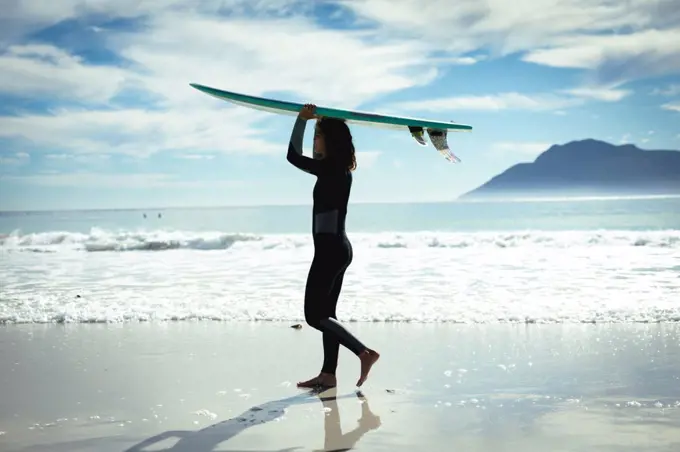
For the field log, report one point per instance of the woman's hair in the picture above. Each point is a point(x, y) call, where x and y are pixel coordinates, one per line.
point(338, 141)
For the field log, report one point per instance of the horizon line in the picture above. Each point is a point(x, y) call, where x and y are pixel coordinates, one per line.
point(565, 198)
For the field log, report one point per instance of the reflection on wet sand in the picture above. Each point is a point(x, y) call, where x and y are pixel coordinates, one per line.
point(207, 439)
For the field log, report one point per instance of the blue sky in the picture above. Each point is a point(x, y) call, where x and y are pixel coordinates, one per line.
point(96, 109)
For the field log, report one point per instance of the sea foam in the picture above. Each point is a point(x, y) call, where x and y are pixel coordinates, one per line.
point(160, 240)
point(483, 277)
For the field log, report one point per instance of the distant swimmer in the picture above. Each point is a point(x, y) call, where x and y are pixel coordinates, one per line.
point(332, 163)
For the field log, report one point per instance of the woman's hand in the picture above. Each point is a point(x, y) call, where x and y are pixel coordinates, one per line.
point(307, 112)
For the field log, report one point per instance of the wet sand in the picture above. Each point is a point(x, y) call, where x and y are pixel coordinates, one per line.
point(213, 386)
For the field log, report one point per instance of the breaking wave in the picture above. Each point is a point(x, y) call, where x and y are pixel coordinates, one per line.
point(100, 240)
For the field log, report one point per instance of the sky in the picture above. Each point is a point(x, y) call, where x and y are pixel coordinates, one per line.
point(96, 110)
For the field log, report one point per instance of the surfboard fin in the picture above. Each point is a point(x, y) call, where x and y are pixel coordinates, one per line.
point(418, 134)
point(440, 143)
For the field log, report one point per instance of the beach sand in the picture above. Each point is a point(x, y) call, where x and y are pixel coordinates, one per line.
point(219, 386)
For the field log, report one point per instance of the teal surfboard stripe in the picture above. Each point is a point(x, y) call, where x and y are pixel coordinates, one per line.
point(294, 107)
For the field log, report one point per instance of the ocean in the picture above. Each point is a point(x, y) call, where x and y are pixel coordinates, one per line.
point(523, 261)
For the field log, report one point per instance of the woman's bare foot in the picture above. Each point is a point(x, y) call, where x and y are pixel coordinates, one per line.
point(367, 358)
point(324, 380)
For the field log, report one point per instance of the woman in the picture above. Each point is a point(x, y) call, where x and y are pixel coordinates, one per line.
point(332, 165)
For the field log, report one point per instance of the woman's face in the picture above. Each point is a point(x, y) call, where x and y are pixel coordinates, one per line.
point(319, 149)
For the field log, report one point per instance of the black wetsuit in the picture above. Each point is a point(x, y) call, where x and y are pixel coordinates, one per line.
point(332, 249)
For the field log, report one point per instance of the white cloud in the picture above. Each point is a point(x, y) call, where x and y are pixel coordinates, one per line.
point(618, 41)
point(196, 157)
point(22, 17)
point(84, 159)
point(599, 93)
point(458, 61)
point(531, 149)
point(177, 48)
point(595, 34)
point(59, 156)
point(615, 58)
point(15, 159)
point(114, 180)
point(518, 101)
point(39, 70)
point(670, 90)
point(294, 55)
point(507, 26)
point(496, 102)
point(77, 157)
point(673, 106)
point(140, 132)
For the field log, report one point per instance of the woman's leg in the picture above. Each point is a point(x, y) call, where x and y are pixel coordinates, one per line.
point(332, 341)
point(324, 283)
point(321, 296)
point(331, 345)
point(316, 291)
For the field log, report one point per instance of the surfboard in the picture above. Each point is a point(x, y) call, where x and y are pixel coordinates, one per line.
point(437, 131)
